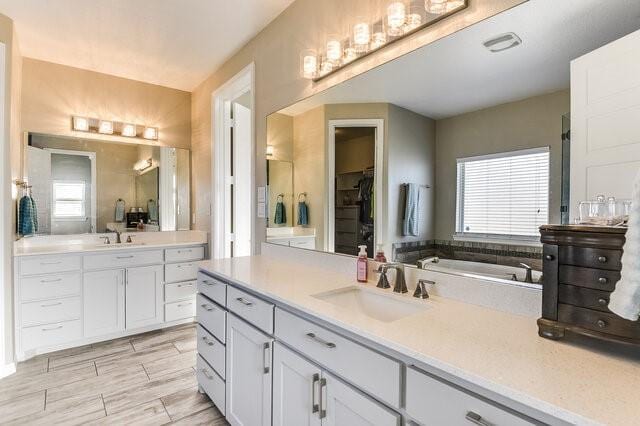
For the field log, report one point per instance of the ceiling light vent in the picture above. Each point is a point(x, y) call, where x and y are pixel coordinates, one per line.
point(502, 42)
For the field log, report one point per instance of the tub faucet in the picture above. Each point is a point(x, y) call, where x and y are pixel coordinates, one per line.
point(400, 286)
point(528, 278)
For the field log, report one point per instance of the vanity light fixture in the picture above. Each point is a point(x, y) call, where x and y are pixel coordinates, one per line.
point(143, 165)
point(129, 130)
point(105, 127)
point(399, 19)
point(150, 133)
point(269, 151)
point(115, 128)
point(80, 124)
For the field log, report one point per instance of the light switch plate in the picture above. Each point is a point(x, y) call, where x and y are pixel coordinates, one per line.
point(262, 194)
point(261, 210)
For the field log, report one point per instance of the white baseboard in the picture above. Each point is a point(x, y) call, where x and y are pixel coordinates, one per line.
point(7, 370)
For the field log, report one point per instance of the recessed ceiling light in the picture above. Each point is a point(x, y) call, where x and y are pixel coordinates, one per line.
point(105, 127)
point(502, 42)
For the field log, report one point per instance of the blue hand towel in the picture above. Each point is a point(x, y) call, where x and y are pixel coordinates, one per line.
point(303, 213)
point(281, 214)
point(411, 213)
point(26, 221)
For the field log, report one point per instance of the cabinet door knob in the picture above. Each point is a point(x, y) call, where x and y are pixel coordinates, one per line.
point(601, 323)
point(603, 280)
point(602, 301)
point(602, 259)
point(549, 257)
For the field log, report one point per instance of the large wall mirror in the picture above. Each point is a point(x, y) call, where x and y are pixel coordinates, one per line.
point(449, 157)
point(92, 186)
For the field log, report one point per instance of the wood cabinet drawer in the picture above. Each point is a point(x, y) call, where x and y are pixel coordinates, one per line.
point(346, 225)
point(347, 213)
point(179, 291)
point(184, 254)
point(258, 312)
point(212, 350)
point(434, 402)
point(598, 321)
point(368, 369)
point(349, 239)
point(212, 317)
point(584, 297)
point(597, 279)
point(180, 310)
point(37, 265)
point(590, 257)
point(50, 286)
point(213, 288)
point(51, 334)
point(123, 260)
point(50, 311)
point(180, 272)
point(211, 383)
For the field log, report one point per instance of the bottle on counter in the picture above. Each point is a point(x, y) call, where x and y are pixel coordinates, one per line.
point(380, 257)
point(362, 266)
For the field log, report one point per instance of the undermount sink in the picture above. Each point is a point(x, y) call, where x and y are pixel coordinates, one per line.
point(372, 303)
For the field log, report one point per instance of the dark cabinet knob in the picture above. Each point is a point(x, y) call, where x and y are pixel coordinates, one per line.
point(603, 280)
point(603, 302)
point(602, 259)
point(549, 257)
point(601, 323)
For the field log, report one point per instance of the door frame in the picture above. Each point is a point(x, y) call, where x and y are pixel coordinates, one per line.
point(330, 212)
point(92, 158)
point(221, 100)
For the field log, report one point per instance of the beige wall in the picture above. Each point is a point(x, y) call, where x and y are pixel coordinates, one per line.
point(275, 52)
point(529, 123)
point(280, 136)
point(52, 93)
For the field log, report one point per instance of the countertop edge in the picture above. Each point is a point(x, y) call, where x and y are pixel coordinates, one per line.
point(108, 248)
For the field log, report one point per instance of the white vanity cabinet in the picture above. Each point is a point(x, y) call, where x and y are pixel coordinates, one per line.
point(103, 302)
point(145, 304)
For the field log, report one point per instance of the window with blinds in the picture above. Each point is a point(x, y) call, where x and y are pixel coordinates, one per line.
point(68, 200)
point(503, 196)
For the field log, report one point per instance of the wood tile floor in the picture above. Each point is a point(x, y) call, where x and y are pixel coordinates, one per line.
point(147, 379)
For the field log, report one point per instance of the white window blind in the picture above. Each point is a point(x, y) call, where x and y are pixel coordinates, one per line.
point(69, 200)
point(503, 195)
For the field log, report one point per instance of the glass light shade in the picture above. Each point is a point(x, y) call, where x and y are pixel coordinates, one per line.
point(435, 7)
point(105, 127)
point(150, 133)
point(334, 49)
point(129, 130)
point(453, 4)
point(326, 66)
point(309, 64)
point(415, 17)
point(396, 15)
point(81, 124)
point(350, 54)
point(269, 150)
point(378, 35)
point(361, 36)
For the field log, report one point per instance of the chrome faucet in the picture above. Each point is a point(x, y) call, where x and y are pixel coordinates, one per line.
point(400, 286)
point(528, 278)
point(421, 290)
point(118, 234)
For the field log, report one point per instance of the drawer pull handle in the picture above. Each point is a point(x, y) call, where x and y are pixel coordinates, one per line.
point(601, 323)
point(206, 373)
point(266, 359)
point(207, 341)
point(549, 257)
point(50, 305)
point(323, 406)
point(316, 380)
point(124, 257)
point(57, 280)
point(477, 419)
point(51, 263)
point(323, 342)
point(185, 285)
point(184, 251)
point(244, 301)
point(209, 283)
point(52, 328)
point(207, 307)
point(602, 259)
point(182, 305)
point(603, 302)
point(603, 280)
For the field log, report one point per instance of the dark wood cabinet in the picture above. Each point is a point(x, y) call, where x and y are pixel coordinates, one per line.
point(581, 266)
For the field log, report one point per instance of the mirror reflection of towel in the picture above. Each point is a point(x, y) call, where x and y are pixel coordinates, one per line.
point(303, 213)
point(412, 203)
point(152, 209)
point(120, 210)
point(281, 214)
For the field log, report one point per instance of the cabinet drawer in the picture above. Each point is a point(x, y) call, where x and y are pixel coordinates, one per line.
point(212, 317)
point(180, 272)
point(51, 334)
point(37, 265)
point(180, 310)
point(50, 311)
point(597, 279)
point(347, 213)
point(370, 370)
point(123, 260)
point(584, 297)
point(185, 254)
point(258, 312)
point(179, 291)
point(349, 239)
point(211, 350)
point(590, 257)
point(50, 286)
point(598, 321)
point(214, 289)
point(346, 225)
point(211, 383)
point(434, 402)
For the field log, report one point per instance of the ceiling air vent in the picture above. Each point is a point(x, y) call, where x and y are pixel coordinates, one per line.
point(502, 42)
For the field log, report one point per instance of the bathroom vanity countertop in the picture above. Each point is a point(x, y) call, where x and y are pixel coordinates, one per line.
point(61, 244)
point(497, 351)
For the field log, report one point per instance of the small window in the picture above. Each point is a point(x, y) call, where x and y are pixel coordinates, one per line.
point(503, 196)
point(69, 200)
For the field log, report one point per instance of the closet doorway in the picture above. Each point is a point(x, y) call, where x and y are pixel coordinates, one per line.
point(355, 163)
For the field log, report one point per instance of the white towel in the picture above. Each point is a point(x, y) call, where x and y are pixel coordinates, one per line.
point(411, 217)
point(625, 300)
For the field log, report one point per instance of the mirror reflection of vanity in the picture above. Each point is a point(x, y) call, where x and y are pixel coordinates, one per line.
point(449, 158)
point(92, 186)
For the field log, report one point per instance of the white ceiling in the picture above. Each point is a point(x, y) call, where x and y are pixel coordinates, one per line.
point(173, 43)
point(457, 74)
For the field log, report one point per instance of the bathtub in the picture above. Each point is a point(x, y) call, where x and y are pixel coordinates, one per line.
point(479, 270)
